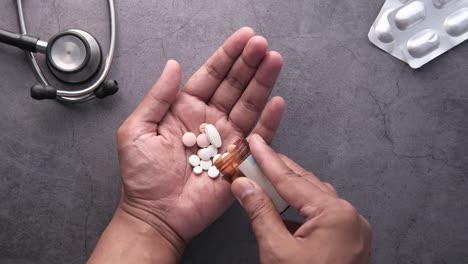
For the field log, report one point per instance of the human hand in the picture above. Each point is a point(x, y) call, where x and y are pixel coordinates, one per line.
point(333, 232)
point(229, 90)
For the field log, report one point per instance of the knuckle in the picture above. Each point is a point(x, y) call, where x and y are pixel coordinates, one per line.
point(250, 105)
point(289, 173)
point(235, 82)
point(348, 213)
point(213, 71)
point(331, 187)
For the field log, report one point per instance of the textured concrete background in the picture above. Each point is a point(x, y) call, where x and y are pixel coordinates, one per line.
point(391, 139)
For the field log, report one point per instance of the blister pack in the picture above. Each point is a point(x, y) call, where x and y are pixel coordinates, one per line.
point(418, 31)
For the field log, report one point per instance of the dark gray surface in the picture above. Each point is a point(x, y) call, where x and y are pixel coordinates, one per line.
point(391, 139)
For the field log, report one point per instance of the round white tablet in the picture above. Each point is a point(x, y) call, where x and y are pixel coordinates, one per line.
point(213, 172)
point(206, 164)
point(213, 150)
point(202, 141)
point(217, 156)
point(197, 170)
point(189, 139)
point(204, 154)
point(213, 135)
point(194, 160)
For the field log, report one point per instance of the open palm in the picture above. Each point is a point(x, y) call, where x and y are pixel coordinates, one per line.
point(229, 91)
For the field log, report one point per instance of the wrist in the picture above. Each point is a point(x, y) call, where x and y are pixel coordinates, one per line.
point(128, 239)
point(155, 227)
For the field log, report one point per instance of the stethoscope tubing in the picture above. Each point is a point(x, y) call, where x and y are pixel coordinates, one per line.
point(85, 94)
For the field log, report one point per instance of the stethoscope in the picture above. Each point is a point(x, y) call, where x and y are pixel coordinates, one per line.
point(73, 56)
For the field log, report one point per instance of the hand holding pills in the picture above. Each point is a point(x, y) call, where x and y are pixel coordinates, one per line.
point(165, 200)
point(333, 232)
point(172, 139)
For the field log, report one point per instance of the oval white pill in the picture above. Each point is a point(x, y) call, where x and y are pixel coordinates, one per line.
point(213, 135)
point(202, 141)
point(194, 160)
point(189, 139)
point(213, 150)
point(217, 156)
point(213, 172)
point(197, 170)
point(206, 164)
point(204, 154)
point(224, 155)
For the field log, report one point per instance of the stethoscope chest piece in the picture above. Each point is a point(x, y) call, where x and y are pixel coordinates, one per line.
point(73, 56)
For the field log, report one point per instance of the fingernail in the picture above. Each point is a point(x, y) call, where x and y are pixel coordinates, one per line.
point(242, 187)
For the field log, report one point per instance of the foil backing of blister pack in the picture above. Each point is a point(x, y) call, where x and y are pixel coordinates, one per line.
point(418, 31)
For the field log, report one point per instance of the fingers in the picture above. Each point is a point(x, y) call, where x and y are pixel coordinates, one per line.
point(266, 222)
point(247, 109)
point(158, 100)
point(270, 119)
point(293, 188)
point(326, 187)
point(240, 75)
point(205, 81)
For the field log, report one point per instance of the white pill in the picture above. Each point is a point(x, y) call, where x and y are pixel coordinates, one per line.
point(231, 147)
point(213, 172)
point(224, 155)
point(202, 141)
point(206, 164)
point(197, 170)
point(204, 154)
point(194, 160)
point(213, 135)
point(213, 150)
point(217, 156)
point(202, 127)
point(189, 139)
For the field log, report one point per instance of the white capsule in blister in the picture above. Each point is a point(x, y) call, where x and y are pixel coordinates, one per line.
point(383, 31)
point(442, 3)
point(417, 31)
point(457, 23)
point(410, 15)
point(423, 43)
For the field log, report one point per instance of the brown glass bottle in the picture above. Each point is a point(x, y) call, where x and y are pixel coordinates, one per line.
point(240, 163)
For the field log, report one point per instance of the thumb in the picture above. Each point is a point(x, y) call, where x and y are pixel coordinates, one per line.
point(158, 100)
point(266, 222)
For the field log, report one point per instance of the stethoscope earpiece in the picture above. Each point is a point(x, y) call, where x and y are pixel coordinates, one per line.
point(109, 87)
point(41, 92)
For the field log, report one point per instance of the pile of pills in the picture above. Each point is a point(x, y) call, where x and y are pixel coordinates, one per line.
point(209, 142)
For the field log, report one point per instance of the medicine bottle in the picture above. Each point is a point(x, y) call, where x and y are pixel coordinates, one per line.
point(240, 163)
